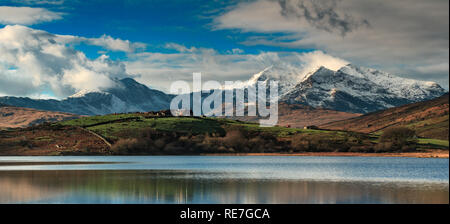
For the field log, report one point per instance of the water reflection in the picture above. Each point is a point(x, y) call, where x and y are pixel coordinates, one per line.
point(140, 186)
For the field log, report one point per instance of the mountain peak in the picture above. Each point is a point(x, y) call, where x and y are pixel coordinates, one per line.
point(259, 76)
point(322, 69)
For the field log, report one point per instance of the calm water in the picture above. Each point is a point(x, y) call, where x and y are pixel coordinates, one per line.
point(224, 179)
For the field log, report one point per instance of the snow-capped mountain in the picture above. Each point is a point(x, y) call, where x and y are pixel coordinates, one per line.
point(127, 96)
point(349, 89)
point(358, 89)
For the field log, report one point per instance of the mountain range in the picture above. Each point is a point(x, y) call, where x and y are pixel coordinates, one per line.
point(126, 96)
point(350, 89)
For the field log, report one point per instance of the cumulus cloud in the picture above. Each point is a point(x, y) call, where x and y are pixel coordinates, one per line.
point(26, 15)
point(402, 37)
point(34, 61)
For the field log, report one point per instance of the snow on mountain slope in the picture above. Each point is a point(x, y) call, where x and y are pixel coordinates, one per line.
point(359, 90)
point(286, 75)
point(401, 87)
point(348, 88)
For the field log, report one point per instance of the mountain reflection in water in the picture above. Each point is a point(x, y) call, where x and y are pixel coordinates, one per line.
point(146, 186)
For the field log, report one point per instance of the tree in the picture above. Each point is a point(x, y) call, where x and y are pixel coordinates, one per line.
point(399, 137)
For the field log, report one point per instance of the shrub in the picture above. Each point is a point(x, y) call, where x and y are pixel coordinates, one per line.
point(173, 147)
point(124, 145)
point(234, 139)
point(159, 143)
point(257, 144)
point(300, 143)
point(397, 138)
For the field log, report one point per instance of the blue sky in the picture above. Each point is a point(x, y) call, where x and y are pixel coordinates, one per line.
point(157, 22)
point(160, 41)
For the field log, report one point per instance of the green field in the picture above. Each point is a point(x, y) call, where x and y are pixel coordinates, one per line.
point(114, 127)
point(93, 120)
point(433, 142)
point(110, 126)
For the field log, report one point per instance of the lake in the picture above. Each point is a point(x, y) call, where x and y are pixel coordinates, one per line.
point(223, 179)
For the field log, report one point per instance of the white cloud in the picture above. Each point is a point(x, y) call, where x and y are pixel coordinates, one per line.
point(115, 44)
point(161, 69)
point(39, 2)
point(313, 60)
point(401, 37)
point(105, 41)
point(26, 15)
point(179, 47)
point(237, 51)
point(34, 61)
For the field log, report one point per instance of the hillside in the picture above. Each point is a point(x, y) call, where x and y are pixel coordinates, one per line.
point(299, 116)
point(159, 134)
point(15, 117)
point(428, 118)
point(144, 133)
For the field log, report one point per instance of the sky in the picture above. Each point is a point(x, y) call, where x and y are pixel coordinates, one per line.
point(55, 48)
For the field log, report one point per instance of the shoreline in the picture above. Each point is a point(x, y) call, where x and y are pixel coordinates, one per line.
point(35, 163)
point(429, 154)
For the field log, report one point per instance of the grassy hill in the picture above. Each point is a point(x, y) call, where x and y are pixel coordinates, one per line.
point(140, 133)
point(148, 134)
point(114, 126)
point(428, 118)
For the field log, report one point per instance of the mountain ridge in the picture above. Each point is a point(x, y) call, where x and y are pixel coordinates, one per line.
point(127, 96)
point(356, 90)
